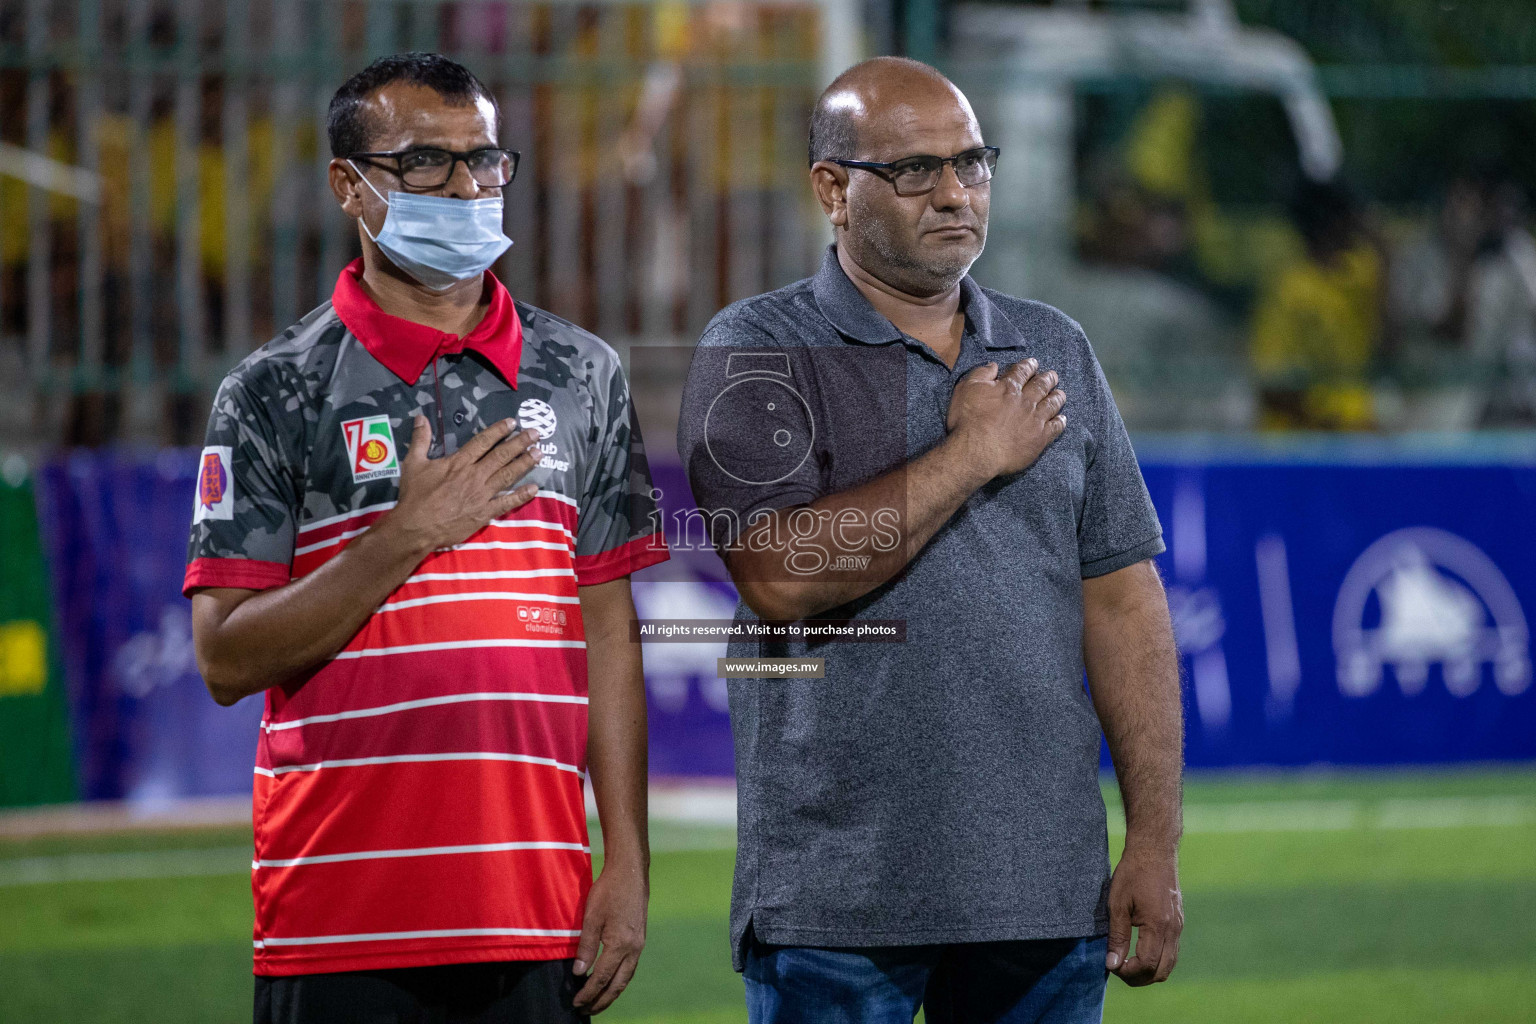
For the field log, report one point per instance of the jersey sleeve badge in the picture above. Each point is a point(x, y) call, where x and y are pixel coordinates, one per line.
point(215, 485)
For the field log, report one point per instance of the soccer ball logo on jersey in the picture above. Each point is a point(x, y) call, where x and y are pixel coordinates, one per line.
point(537, 414)
point(371, 448)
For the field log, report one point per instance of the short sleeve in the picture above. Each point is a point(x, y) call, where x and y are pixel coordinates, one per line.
point(619, 530)
point(1119, 526)
point(747, 434)
point(244, 500)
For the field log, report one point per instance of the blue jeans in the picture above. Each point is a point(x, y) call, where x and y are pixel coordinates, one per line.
point(1043, 981)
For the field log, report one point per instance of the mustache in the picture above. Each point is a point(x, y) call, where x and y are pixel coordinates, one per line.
point(971, 222)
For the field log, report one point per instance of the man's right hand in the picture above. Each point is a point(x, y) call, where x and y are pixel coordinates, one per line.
point(248, 640)
point(1003, 421)
point(445, 501)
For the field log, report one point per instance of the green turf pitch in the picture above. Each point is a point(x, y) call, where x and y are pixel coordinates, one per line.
point(1397, 898)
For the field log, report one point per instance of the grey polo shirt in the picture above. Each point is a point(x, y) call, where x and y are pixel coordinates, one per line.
point(943, 789)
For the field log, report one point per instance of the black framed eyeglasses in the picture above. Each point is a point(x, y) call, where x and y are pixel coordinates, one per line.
point(917, 175)
point(431, 168)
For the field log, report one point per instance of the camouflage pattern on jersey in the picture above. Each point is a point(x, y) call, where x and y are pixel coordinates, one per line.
point(284, 415)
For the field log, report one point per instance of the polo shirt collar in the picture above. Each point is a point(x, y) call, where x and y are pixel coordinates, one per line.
point(406, 347)
point(989, 322)
point(845, 306)
point(841, 302)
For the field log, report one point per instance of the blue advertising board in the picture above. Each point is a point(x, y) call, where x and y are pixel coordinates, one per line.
point(1351, 614)
point(1344, 611)
point(1329, 609)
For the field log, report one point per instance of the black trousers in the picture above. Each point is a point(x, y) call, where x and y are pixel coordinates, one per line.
point(512, 992)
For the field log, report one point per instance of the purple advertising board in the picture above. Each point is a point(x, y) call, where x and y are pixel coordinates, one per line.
point(115, 534)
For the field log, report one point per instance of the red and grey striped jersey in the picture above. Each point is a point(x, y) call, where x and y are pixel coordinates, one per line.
point(418, 798)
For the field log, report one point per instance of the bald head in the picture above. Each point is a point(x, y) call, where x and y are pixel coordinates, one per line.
point(881, 112)
point(868, 95)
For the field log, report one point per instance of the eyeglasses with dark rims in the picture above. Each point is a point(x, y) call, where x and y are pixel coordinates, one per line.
point(431, 168)
point(918, 175)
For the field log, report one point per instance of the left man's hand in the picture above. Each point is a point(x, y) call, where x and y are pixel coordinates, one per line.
point(615, 917)
point(1144, 893)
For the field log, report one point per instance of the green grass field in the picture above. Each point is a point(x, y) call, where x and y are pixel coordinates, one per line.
point(1396, 898)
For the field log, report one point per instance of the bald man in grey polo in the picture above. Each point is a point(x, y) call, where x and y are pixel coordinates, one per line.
point(944, 789)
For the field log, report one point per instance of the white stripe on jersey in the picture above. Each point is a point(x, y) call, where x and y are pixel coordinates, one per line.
point(500, 574)
point(483, 546)
point(343, 517)
point(437, 933)
point(489, 595)
point(420, 851)
point(424, 702)
point(361, 762)
point(507, 545)
point(384, 506)
point(540, 524)
point(559, 497)
point(453, 645)
point(317, 545)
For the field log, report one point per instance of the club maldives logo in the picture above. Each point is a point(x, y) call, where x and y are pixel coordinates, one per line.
point(371, 448)
point(536, 414)
point(215, 494)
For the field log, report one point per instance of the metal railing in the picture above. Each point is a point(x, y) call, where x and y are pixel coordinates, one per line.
point(164, 208)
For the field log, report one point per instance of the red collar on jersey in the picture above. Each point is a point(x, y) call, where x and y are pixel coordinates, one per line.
point(406, 347)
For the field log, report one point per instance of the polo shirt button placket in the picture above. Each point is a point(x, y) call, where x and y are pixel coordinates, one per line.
point(440, 442)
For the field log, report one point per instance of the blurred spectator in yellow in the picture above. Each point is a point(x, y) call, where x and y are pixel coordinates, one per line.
point(1226, 250)
point(61, 213)
point(1317, 325)
point(252, 206)
point(13, 206)
point(210, 177)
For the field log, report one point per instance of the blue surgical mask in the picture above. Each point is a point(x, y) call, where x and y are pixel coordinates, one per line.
point(437, 240)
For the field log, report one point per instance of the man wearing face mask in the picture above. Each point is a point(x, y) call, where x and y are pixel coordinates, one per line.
point(921, 824)
point(416, 516)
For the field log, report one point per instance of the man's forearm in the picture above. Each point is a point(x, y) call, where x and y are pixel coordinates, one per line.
point(918, 498)
point(249, 642)
point(1133, 676)
point(616, 736)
